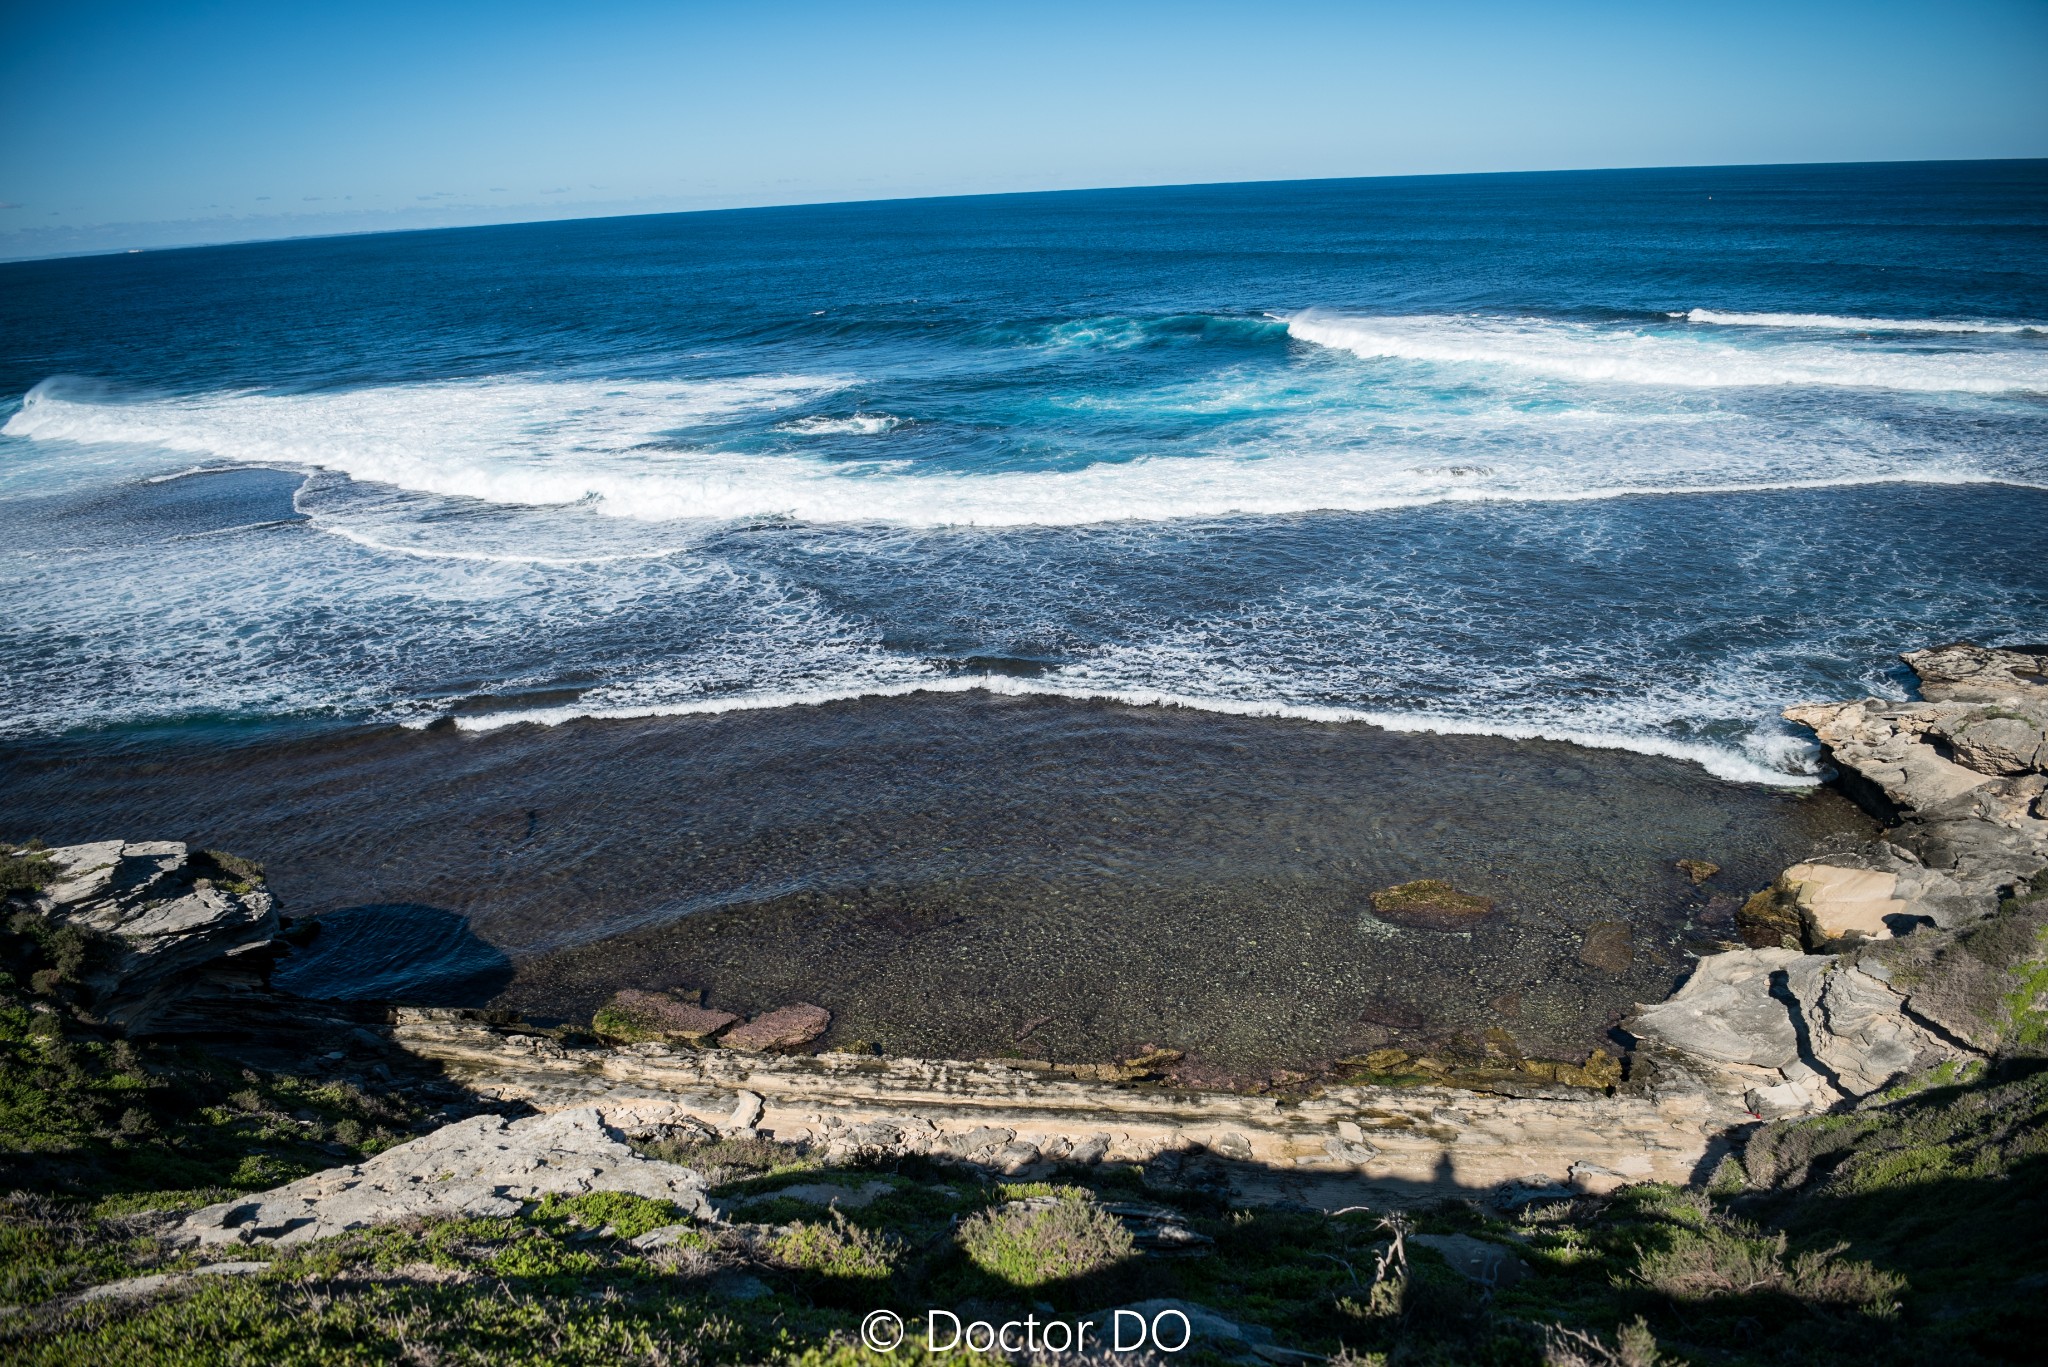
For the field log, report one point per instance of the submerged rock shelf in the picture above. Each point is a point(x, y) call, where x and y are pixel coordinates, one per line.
point(1887, 962)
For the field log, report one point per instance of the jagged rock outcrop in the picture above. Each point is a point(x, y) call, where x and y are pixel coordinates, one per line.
point(1790, 1032)
point(1921, 954)
point(168, 924)
point(1963, 774)
point(484, 1166)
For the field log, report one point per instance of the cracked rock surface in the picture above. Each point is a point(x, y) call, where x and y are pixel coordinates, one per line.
point(175, 922)
point(483, 1166)
point(1962, 773)
point(1918, 944)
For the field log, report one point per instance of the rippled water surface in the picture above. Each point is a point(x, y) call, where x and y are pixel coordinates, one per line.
point(945, 871)
point(1635, 456)
point(1629, 459)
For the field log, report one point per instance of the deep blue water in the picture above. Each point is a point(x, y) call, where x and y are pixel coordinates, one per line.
point(1636, 457)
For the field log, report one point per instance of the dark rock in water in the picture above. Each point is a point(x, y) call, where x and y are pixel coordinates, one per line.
point(632, 1014)
point(1608, 946)
point(1699, 870)
point(1430, 904)
point(1770, 920)
point(790, 1027)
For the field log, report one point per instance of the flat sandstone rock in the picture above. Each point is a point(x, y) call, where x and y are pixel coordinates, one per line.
point(484, 1166)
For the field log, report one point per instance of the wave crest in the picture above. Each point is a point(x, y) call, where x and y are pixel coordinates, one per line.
point(1582, 353)
point(1829, 322)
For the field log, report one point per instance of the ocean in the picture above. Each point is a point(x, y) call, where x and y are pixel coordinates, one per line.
point(1626, 460)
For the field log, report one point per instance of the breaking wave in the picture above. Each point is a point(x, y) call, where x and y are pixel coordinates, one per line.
point(858, 425)
point(1828, 322)
point(632, 452)
point(1720, 761)
point(1585, 353)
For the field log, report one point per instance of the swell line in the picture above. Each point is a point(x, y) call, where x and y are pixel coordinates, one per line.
point(1719, 762)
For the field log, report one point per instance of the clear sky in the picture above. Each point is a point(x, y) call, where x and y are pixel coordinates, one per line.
point(129, 125)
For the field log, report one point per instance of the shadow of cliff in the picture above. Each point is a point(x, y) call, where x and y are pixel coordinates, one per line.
point(1950, 1269)
point(395, 952)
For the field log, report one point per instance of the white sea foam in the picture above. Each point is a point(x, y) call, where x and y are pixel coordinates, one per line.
point(611, 450)
point(506, 441)
point(1720, 762)
point(1829, 322)
point(1583, 353)
point(858, 425)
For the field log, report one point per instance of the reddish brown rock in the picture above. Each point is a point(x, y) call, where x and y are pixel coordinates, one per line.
point(632, 1014)
point(789, 1027)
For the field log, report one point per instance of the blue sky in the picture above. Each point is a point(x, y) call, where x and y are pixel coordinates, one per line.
point(140, 125)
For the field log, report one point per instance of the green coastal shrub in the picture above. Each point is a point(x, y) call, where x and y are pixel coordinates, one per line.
point(231, 871)
point(838, 1249)
point(1045, 1239)
point(25, 868)
point(727, 1160)
point(1727, 1258)
point(621, 1214)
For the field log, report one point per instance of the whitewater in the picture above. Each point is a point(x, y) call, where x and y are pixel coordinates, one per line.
point(1333, 463)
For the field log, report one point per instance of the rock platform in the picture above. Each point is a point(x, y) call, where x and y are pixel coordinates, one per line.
point(1859, 968)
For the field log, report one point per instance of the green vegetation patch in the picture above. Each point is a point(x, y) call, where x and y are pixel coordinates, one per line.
point(25, 868)
point(1045, 1239)
point(231, 871)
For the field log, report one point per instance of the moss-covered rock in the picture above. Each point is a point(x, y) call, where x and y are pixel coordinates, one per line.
point(633, 1015)
point(1430, 904)
point(1771, 920)
point(1986, 985)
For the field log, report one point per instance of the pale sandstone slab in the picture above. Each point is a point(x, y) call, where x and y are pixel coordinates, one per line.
point(1343, 1146)
point(483, 1166)
point(1837, 901)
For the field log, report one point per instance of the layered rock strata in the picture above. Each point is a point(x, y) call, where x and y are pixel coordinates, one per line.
point(171, 927)
point(1869, 964)
point(1343, 1145)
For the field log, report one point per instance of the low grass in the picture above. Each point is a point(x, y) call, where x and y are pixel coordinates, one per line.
point(1903, 1231)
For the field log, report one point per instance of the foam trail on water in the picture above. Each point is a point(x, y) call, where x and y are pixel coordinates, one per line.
point(1141, 491)
point(1828, 322)
point(1717, 761)
point(1583, 353)
point(858, 425)
point(611, 449)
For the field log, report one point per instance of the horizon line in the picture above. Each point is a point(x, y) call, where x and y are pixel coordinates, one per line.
point(93, 253)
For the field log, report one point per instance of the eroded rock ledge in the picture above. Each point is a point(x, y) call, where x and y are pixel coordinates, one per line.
point(1926, 946)
point(1913, 950)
